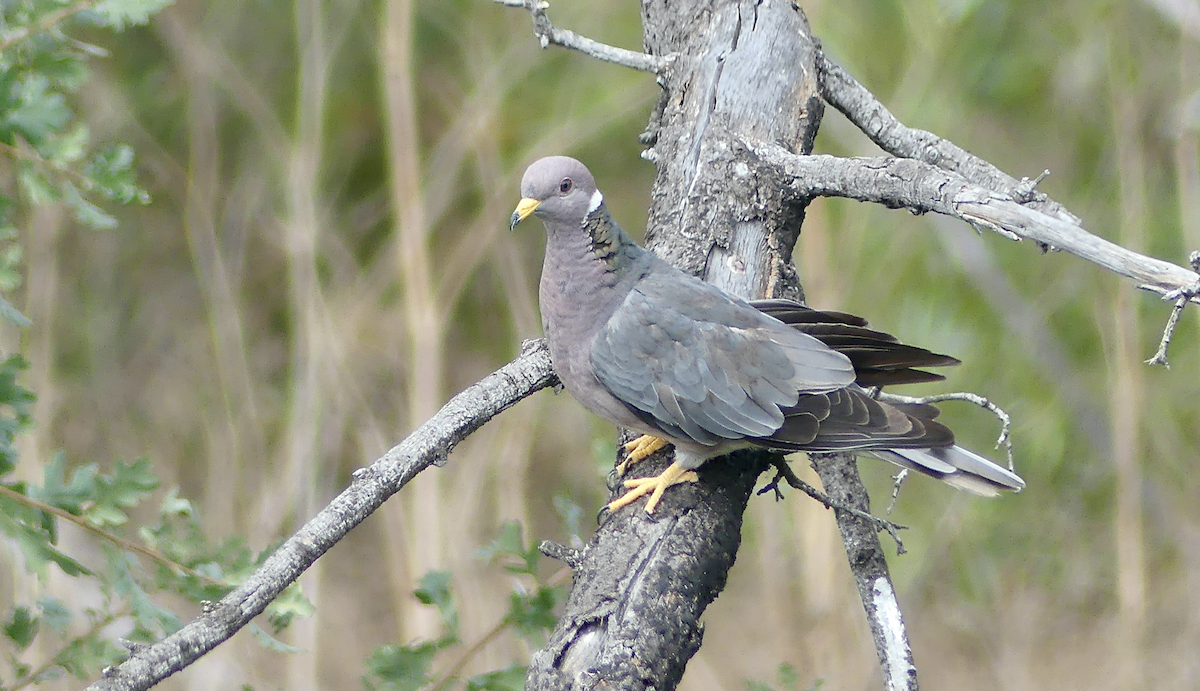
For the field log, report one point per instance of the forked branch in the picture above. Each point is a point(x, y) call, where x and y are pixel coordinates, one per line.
point(921, 187)
point(842, 91)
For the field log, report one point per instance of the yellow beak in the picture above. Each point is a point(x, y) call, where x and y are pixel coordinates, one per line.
point(525, 207)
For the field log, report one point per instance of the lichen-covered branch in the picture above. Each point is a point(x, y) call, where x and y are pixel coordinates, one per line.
point(429, 444)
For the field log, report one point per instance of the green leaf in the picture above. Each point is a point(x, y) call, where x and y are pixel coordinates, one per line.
point(532, 615)
point(84, 657)
point(25, 526)
point(14, 415)
point(13, 316)
point(509, 541)
point(400, 667)
point(434, 590)
point(37, 187)
point(86, 212)
point(788, 679)
point(22, 627)
point(129, 485)
point(112, 174)
point(69, 497)
point(270, 642)
point(511, 678)
point(151, 620)
point(119, 14)
point(175, 505)
point(55, 613)
point(510, 551)
point(68, 147)
point(290, 604)
point(34, 112)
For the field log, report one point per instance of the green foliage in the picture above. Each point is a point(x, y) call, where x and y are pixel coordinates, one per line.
point(434, 590)
point(530, 617)
point(15, 405)
point(511, 678)
point(531, 609)
point(400, 667)
point(118, 14)
point(41, 67)
point(185, 563)
point(22, 627)
point(787, 678)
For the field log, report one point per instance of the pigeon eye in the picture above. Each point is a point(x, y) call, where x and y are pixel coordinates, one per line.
point(565, 186)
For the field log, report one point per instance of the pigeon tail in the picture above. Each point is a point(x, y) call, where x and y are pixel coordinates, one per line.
point(958, 467)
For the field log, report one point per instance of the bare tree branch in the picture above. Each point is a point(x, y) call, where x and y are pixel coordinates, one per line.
point(842, 91)
point(632, 619)
point(910, 184)
point(1181, 297)
point(784, 472)
point(1005, 438)
point(547, 34)
point(839, 475)
point(428, 445)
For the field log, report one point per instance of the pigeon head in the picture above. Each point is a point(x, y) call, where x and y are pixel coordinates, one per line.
point(558, 190)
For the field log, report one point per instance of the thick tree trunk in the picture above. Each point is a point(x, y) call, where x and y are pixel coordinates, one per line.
point(747, 69)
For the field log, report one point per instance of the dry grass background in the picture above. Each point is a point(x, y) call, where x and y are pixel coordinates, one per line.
point(327, 260)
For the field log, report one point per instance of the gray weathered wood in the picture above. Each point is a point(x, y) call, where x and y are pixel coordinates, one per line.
point(747, 70)
point(860, 538)
point(921, 187)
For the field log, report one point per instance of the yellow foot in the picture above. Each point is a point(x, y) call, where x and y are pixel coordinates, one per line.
point(654, 486)
point(639, 450)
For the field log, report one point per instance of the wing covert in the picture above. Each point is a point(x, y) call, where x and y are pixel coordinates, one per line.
point(697, 364)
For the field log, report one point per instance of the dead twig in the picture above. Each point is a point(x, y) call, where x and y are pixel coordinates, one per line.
point(784, 472)
point(547, 34)
point(1005, 438)
point(1181, 296)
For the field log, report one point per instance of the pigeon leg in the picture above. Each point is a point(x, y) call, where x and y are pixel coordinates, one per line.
point(639, 450)
point(654, 486)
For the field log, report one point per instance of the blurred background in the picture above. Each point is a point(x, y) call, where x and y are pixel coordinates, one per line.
point(327, 260)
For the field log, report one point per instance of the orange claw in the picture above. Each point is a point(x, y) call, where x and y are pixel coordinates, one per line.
point(639, 450)
point(654, 486)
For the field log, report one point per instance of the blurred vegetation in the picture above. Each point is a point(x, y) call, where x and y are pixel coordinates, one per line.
point(326, 260)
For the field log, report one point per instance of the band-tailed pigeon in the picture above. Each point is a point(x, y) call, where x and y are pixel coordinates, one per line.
point(653, 349)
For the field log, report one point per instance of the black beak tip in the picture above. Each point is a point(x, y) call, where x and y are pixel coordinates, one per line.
point(513, 221)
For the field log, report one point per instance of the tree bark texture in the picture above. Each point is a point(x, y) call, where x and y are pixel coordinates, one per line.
point(632, 620)
point(860, 538)
point(745, 69)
